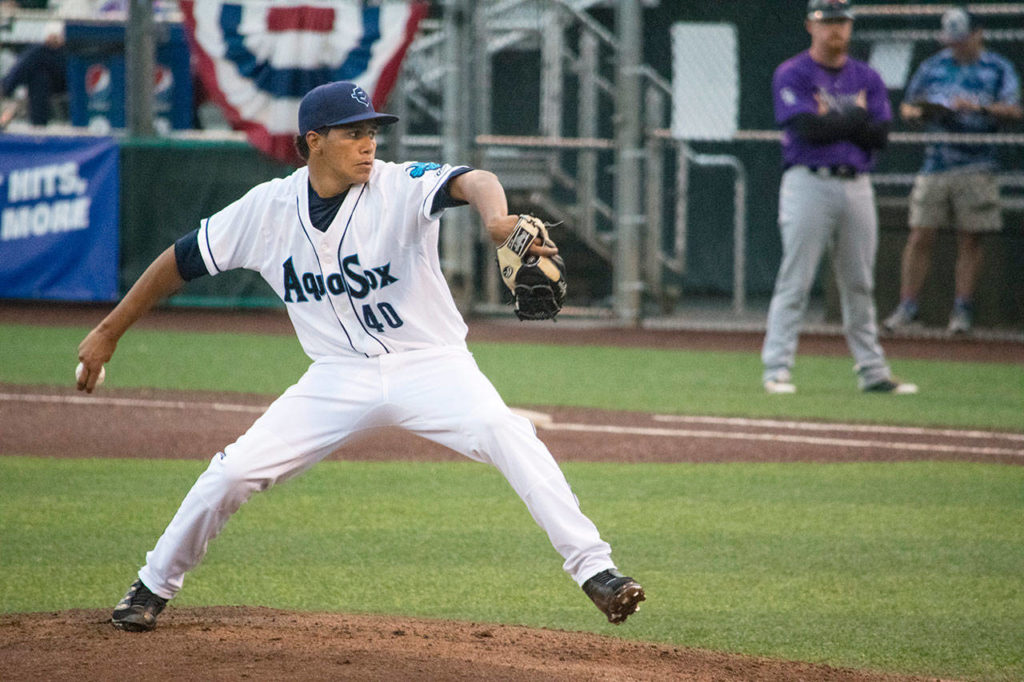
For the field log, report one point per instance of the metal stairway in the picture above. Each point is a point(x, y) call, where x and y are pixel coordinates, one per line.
point(566, 171)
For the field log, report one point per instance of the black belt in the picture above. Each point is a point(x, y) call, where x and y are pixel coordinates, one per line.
point(845, 171)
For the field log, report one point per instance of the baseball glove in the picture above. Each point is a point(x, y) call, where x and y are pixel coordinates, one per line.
point(537, 283)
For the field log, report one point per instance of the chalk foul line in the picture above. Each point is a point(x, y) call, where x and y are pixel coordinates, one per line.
point(784, 438)
point(832, 427)
point(101, 401)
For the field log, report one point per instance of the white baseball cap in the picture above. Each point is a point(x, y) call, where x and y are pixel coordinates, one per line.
point(957, 25)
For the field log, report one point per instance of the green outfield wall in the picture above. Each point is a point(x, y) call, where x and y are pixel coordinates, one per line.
point(167, 188)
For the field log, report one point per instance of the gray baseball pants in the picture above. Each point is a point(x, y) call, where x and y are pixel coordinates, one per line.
point(817, 213)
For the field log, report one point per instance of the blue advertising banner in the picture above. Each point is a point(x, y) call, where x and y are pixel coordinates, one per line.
point(59, 201)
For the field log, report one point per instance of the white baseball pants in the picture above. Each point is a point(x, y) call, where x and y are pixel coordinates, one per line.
point(438, 393)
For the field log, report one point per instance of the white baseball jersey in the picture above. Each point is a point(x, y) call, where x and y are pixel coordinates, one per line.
point(371, 284)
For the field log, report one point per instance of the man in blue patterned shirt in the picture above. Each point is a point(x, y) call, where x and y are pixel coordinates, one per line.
point(964, 88)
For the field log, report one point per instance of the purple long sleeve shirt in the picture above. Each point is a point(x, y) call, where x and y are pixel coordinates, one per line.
point(794, 86)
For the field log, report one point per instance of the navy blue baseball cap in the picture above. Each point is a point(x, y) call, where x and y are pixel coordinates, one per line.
point(335, 104)
point(823, 10)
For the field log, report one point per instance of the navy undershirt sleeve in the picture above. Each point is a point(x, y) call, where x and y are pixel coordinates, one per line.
point(442, 199)
point(190, 261)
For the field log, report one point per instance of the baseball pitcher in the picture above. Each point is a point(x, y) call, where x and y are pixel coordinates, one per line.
point(349, 244)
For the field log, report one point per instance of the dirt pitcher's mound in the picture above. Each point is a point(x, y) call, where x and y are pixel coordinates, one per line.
point(232, 643)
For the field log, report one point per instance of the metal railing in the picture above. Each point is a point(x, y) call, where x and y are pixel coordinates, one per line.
point(566, 157)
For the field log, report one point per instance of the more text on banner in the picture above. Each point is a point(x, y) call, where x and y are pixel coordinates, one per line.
point(59, 200)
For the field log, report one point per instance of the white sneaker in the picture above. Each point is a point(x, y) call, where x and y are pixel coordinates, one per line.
point(960, 321)
point(780, 382)
point(900, 318)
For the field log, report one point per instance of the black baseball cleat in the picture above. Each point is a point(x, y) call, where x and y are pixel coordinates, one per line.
point(618, 596)
point(138, 610)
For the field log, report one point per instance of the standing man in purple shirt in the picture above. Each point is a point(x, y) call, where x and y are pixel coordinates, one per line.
point(834, 112)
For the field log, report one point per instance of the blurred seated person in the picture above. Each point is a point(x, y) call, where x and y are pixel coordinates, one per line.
point(42, 68)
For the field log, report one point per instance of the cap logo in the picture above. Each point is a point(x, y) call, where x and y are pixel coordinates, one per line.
point(359, 95)
point(819, 10)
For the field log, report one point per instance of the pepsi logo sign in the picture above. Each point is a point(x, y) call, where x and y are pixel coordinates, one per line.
point(163, 79)
point(97, 79)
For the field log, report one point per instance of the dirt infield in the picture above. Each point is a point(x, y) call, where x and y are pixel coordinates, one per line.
point(236, 643)
point(225, 643)
point(81, 426)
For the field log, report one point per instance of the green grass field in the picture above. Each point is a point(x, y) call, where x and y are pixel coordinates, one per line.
point(909, 567)
point(959, 394)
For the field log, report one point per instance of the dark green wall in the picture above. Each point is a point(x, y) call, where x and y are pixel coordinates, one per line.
point(167, 187)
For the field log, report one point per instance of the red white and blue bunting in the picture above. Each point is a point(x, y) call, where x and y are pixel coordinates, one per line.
point(256, 59)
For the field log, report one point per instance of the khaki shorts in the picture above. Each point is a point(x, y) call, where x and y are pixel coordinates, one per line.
point(964, 201)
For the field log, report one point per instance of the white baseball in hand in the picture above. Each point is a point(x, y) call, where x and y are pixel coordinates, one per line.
point(80, 370)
